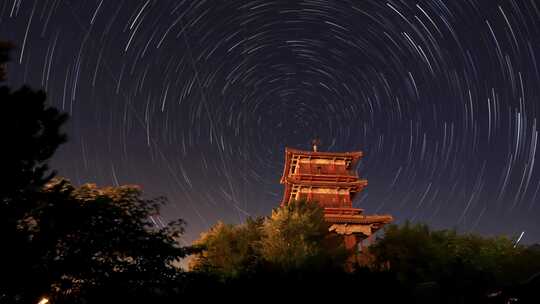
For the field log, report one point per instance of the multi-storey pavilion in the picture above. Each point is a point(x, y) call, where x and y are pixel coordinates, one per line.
point(330, 179)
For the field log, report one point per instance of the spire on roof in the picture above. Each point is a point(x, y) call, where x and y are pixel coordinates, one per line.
point(316, 142)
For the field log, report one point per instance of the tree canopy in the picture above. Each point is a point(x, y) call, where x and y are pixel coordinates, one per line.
point(72, 244)
point(229, 250)
point(32, 132)
point(417, 263)
point(294, 237)
point(459, 263)
point(89, 241)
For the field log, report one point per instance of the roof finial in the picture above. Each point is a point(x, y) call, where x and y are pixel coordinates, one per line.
point(316, 142)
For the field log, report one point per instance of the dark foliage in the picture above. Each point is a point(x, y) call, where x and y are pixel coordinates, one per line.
point(292, 239)
point(446, 267)
point(93, 241)
point(30, 133)
point(5, 47)
point(90, 245)
point(302, 286)
point(72, 245)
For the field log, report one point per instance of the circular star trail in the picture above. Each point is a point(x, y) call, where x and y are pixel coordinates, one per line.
point(196, 100)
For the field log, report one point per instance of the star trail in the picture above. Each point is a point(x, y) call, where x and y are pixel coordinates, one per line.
point(196, 100)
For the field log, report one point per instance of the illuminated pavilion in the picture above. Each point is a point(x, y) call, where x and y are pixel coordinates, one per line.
point(330, 179)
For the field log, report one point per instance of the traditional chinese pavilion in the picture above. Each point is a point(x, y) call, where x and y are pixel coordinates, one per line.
point(331, 180)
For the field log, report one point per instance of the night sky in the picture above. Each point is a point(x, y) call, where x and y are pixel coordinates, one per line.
point(196, 100)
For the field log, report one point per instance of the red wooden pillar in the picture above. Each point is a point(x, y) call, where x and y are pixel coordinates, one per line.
point(351, 246)
point(350, 242)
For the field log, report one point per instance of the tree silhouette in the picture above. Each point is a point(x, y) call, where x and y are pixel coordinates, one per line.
point(5, 47)
point(30, 134)
point(73, 245)
point(93, 243)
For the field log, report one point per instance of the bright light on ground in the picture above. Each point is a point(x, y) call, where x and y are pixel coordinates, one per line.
point(43, 301)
